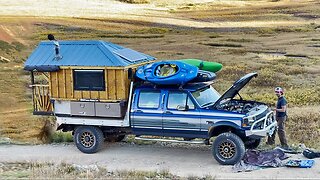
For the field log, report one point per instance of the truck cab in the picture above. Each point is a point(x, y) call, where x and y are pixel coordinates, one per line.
point(199, 111)
point(168, 111)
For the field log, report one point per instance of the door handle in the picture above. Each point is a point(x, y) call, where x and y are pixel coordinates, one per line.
point(168, 112)
point(138, 111)
point(209, 122)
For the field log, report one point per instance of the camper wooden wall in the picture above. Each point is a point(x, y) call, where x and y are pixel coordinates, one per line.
point(117, 86)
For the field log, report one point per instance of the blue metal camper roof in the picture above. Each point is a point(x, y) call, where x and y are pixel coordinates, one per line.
point(82, 53)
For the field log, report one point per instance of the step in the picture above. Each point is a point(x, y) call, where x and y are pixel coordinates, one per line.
point(171, 140)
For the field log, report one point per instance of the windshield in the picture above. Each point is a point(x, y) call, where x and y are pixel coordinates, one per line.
point(206, 96)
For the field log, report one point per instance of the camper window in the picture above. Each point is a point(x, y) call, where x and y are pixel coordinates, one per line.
point(89, 80)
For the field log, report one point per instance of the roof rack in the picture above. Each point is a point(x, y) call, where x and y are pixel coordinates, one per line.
point(196, 85)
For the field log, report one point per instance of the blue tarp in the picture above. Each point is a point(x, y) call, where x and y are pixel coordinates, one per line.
point(82, 53)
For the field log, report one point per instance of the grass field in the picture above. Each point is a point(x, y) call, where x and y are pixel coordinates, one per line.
point(279, 40)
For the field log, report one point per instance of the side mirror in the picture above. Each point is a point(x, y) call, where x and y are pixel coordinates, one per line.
point(182, 108)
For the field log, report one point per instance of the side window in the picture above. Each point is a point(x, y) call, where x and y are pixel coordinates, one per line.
point(179, 99)
point(149, 99)
point(89, 80)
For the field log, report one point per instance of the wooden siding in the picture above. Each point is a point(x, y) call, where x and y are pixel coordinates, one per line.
point(116, 86)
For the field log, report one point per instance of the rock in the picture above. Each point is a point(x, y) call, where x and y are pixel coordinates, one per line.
point(82, 168)
point(5, 140)
point(4, 60)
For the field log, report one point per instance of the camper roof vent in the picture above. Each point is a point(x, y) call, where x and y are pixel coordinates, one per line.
point(56, 48)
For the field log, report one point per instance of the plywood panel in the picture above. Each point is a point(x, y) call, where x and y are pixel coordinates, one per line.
point(102, 95)
point(61, 84)
point(86, 95)
point(69, 84)
point(54, 84)
point(111, 82)
point(120, 84)
point(105, 94)
point(94, 94)
point(50, 85)
point(65, 84)
point(77, 95)
point(126, 84)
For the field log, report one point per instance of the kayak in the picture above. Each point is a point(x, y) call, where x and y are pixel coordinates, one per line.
point(204, 65)
point(204, 76)
point(167, 72)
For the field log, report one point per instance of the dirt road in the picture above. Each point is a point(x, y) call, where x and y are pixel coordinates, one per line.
point(156, 12)
point(182, 160)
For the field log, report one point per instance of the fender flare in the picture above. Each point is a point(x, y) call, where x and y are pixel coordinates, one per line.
point(225, 124)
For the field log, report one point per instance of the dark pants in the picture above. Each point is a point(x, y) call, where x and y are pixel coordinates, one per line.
point(281, 132)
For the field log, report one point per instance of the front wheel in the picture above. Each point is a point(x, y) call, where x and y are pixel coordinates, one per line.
point(88, 139)
point(228, 149)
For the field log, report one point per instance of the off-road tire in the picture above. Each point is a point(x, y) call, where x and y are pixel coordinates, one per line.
point(228, 149)
point(88, 139)
point(252, 144)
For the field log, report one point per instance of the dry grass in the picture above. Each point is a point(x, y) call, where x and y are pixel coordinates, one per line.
point(135, 1)
point(72, 171)
point(303, 126)
point(16, 121)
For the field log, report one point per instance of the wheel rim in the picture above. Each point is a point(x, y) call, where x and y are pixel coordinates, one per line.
point(87, 139)
point(227, 150)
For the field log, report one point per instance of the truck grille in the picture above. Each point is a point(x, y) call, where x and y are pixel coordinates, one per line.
point(261, 124)
point(262, 115)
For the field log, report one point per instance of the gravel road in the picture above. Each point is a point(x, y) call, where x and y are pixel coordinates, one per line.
point(181, 160)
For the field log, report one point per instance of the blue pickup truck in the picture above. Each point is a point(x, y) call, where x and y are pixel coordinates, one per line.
point(189, 113)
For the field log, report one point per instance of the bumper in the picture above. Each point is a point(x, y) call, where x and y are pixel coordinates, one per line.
point(263, 127)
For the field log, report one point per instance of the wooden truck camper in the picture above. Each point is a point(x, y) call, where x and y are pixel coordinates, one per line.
point(82, 78)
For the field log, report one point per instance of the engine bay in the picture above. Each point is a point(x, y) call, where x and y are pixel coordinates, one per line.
point(241, 106)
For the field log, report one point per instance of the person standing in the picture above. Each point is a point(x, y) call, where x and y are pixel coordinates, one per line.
point(281, 116)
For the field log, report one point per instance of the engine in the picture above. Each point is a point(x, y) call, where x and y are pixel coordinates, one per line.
point(240, 106)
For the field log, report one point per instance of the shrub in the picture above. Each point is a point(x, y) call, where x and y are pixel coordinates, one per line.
point(5, 46)
point(262, 95)
point(294, 96)
point(234, 71)
point(47, 130)
point(153, 30)
point(60, 136)
point(215, 35)
point(303, 96)
point(269, 78)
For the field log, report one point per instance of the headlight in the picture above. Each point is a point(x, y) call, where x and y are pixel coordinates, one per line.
point(248, 121)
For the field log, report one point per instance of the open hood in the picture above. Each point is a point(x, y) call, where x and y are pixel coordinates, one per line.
point(236, 87)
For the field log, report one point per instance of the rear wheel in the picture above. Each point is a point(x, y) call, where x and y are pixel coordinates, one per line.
point(228, 149)
point(88, 139)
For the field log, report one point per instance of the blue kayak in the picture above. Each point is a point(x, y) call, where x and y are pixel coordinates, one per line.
point(204, 76)
point(167, 72)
